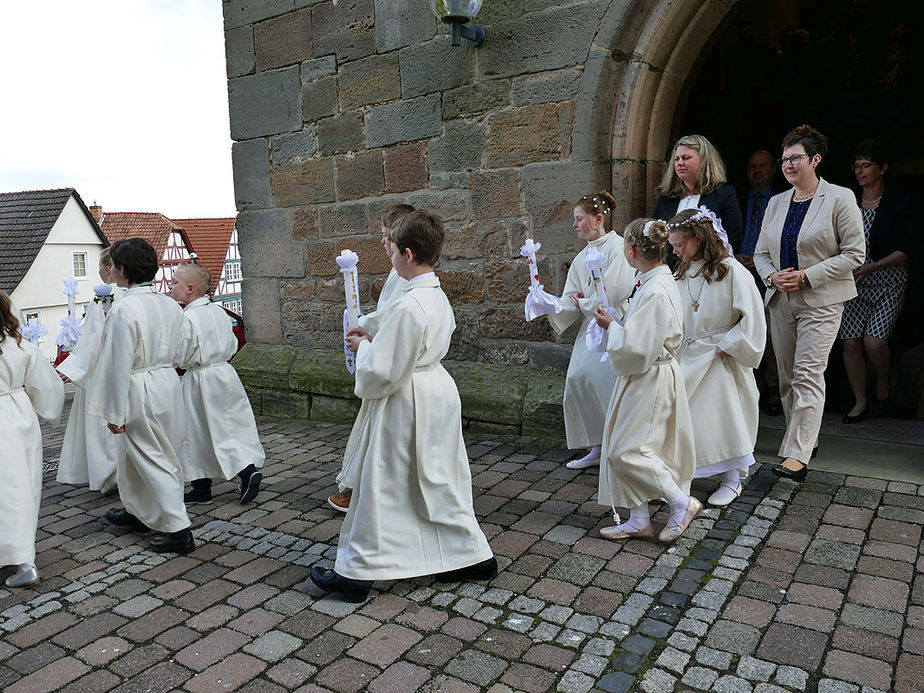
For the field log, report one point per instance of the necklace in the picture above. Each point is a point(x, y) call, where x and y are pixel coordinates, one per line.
point(696, 300)
point(803, 199)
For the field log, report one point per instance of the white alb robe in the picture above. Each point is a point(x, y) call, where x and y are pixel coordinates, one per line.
point(133, 383)
point(28, 386)
point(648, 438)
point(722, 392)
point(89, 453)
point(411, 512)
point(392, 290)
point(221, 433)
point(589, 382)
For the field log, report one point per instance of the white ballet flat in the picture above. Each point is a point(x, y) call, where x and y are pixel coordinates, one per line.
point(24, 578)
point(616, 534)
point(583, 464)
point(724, 495)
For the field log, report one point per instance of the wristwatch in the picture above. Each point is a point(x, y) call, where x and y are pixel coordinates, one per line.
point(769, 278)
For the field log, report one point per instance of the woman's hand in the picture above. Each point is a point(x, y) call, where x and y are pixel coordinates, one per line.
point(64, 378)
point(603, 318)
point(787, 280)
point(116, 429)
point(576, 298)
point(864, 270)
point(353, 339)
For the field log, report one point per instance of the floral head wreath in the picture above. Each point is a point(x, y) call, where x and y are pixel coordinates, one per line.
point(706, 213)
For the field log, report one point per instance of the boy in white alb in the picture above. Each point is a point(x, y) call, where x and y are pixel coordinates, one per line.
point(411, 513)
point(369, 324)
point(221, 433)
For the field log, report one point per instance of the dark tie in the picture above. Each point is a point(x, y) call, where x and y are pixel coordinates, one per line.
point(753, 229)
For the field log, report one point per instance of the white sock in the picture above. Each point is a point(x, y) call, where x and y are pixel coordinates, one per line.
point(639, 518)
point(678, 505)
point(731, 478)
point(594, 454)
point(23, 567)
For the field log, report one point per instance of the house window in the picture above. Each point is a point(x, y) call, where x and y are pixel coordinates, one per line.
point(235, 272)
point(34, 316)
point(80, 265)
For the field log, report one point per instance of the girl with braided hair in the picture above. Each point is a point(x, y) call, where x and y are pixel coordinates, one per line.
point(589, 382)
point(648, 437)
point(724, 335)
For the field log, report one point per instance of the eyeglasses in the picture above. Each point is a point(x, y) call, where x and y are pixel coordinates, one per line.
point(863, 166)
point(793, 160)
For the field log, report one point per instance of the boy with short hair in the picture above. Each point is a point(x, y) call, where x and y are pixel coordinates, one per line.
point(221, 433)
point(369, 324)
point(411, 513)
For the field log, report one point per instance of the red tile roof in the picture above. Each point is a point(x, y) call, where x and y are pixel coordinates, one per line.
point(210, 239)
point(153, 227)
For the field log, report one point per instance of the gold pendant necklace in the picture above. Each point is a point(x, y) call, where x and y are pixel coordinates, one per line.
point(696, 300)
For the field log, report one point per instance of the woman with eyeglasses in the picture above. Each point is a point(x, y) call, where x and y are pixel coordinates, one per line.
point(697, 178)
point(881, 280)
point(810, 242)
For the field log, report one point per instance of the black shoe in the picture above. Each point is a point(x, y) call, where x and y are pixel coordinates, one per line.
point(173, 542)
point(848, 419)
point(120, 517)
point(485, 570)
point(198, 496)
point(786, 473)
point(251, 487)
point(350, 590)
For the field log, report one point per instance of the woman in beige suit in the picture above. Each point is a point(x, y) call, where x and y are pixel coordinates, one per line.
point(810, 242)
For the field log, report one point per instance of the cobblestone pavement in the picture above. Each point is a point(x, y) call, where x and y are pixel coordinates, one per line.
point(794, 587)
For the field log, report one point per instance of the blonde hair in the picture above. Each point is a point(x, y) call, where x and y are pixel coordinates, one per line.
point(711, 172)
point(105, 257)
point(652, 246)
point(714, 252)
point(198, 275)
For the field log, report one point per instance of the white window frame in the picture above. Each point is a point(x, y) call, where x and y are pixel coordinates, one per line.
point(38, 318)
point(74, 257)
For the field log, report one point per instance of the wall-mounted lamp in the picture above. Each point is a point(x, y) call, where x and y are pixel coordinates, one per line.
point(457, 14)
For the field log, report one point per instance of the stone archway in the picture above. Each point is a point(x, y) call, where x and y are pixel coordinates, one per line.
point(638, 65)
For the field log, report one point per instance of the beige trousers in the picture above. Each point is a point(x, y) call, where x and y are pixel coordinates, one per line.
point(802, 338)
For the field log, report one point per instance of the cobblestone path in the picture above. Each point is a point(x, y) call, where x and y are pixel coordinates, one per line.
point(812, 587)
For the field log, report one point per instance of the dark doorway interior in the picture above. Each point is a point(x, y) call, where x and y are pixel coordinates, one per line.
point(853, 69)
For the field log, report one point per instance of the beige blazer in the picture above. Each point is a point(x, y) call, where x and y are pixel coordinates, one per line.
point(830, 245)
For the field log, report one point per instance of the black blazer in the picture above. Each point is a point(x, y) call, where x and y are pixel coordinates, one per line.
point(891, 228)
point(723, 201)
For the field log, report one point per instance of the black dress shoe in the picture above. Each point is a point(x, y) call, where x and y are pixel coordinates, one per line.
point(349, 589)
point(173, 542)
point(120, 517)
point(485, 570)
point(787, 473)
point(848, 419)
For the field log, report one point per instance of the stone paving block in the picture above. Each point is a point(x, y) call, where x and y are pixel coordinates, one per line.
point(476, 667)
point(886, 622)
point(855, 668)
point(699, 678)
point(273, 646)
point(657, 681)
point(212, 648)
point(909, 672)
point(799, 647)
point(104, 650)
point(877, 592)
point(35, 658)
point(732, 684)
point(791, 677)
point(807, 617)
point(229, 673)
point(48, 678)
point(755, 669)
point(523, 677)
point(734, 637)
point(576, 682)
point(384, 645)
point(291, 673)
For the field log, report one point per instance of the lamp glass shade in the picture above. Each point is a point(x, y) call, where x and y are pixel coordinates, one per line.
point(455, 8)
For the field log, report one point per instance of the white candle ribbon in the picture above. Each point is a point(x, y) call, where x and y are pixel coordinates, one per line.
point(538, 302)
point(70, 326)
point(347, 261)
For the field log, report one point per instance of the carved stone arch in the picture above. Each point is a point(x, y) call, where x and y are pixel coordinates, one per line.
point(641, 59)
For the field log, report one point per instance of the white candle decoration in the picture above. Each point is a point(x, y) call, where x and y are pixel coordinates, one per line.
point(538, 302)
point(70, 326)
point(347, 261)
point(33, 330)
point(596, 337)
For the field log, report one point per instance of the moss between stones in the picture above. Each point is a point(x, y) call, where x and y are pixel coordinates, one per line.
point(314, 384)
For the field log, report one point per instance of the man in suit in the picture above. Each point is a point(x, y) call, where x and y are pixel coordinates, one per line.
point(753, 201)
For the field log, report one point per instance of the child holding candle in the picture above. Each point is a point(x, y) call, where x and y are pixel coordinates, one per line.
point(589, 382)
point(648, 439)
point(411, 512)
point(28, 386)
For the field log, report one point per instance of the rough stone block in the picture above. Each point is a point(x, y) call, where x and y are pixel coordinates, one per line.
point(558, 37)
point(504, 280)
point(345, 28)
point(334, 408)
point(303, 290)
point(403, 121)
point(550, 191)
point(250, 161)
point(263, 325)
point(462, 286)
point(482, 387)
point(295, 148)
point(451, 205)
point(319, 98)
point(313, 325)
point(472, 99)
point(310, 182)
point(547, 87)
point(286, 404)
point(283, 40)
point(304, 222)
point(360, 175)
point(239, 59)
point(264, 366)
point(316, 68)
point(495, 194)
point(372, 259)
point(267, 248)
point(321, 373)
point(466, 341)
point(369, 81)
point(400, 23)
point(542, 412)
point(406, 167)
point(434, 66)
point(240, 12)
point(319, 259)
point(342, 219)
point(265, 104)
point(459, 148)
point(506, 322)
point(523, 135)
point(341, 133)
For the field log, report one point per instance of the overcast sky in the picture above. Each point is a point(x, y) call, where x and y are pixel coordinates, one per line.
point(124, 100)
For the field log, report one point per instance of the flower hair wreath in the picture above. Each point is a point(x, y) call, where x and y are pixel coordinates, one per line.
point(706, 213)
